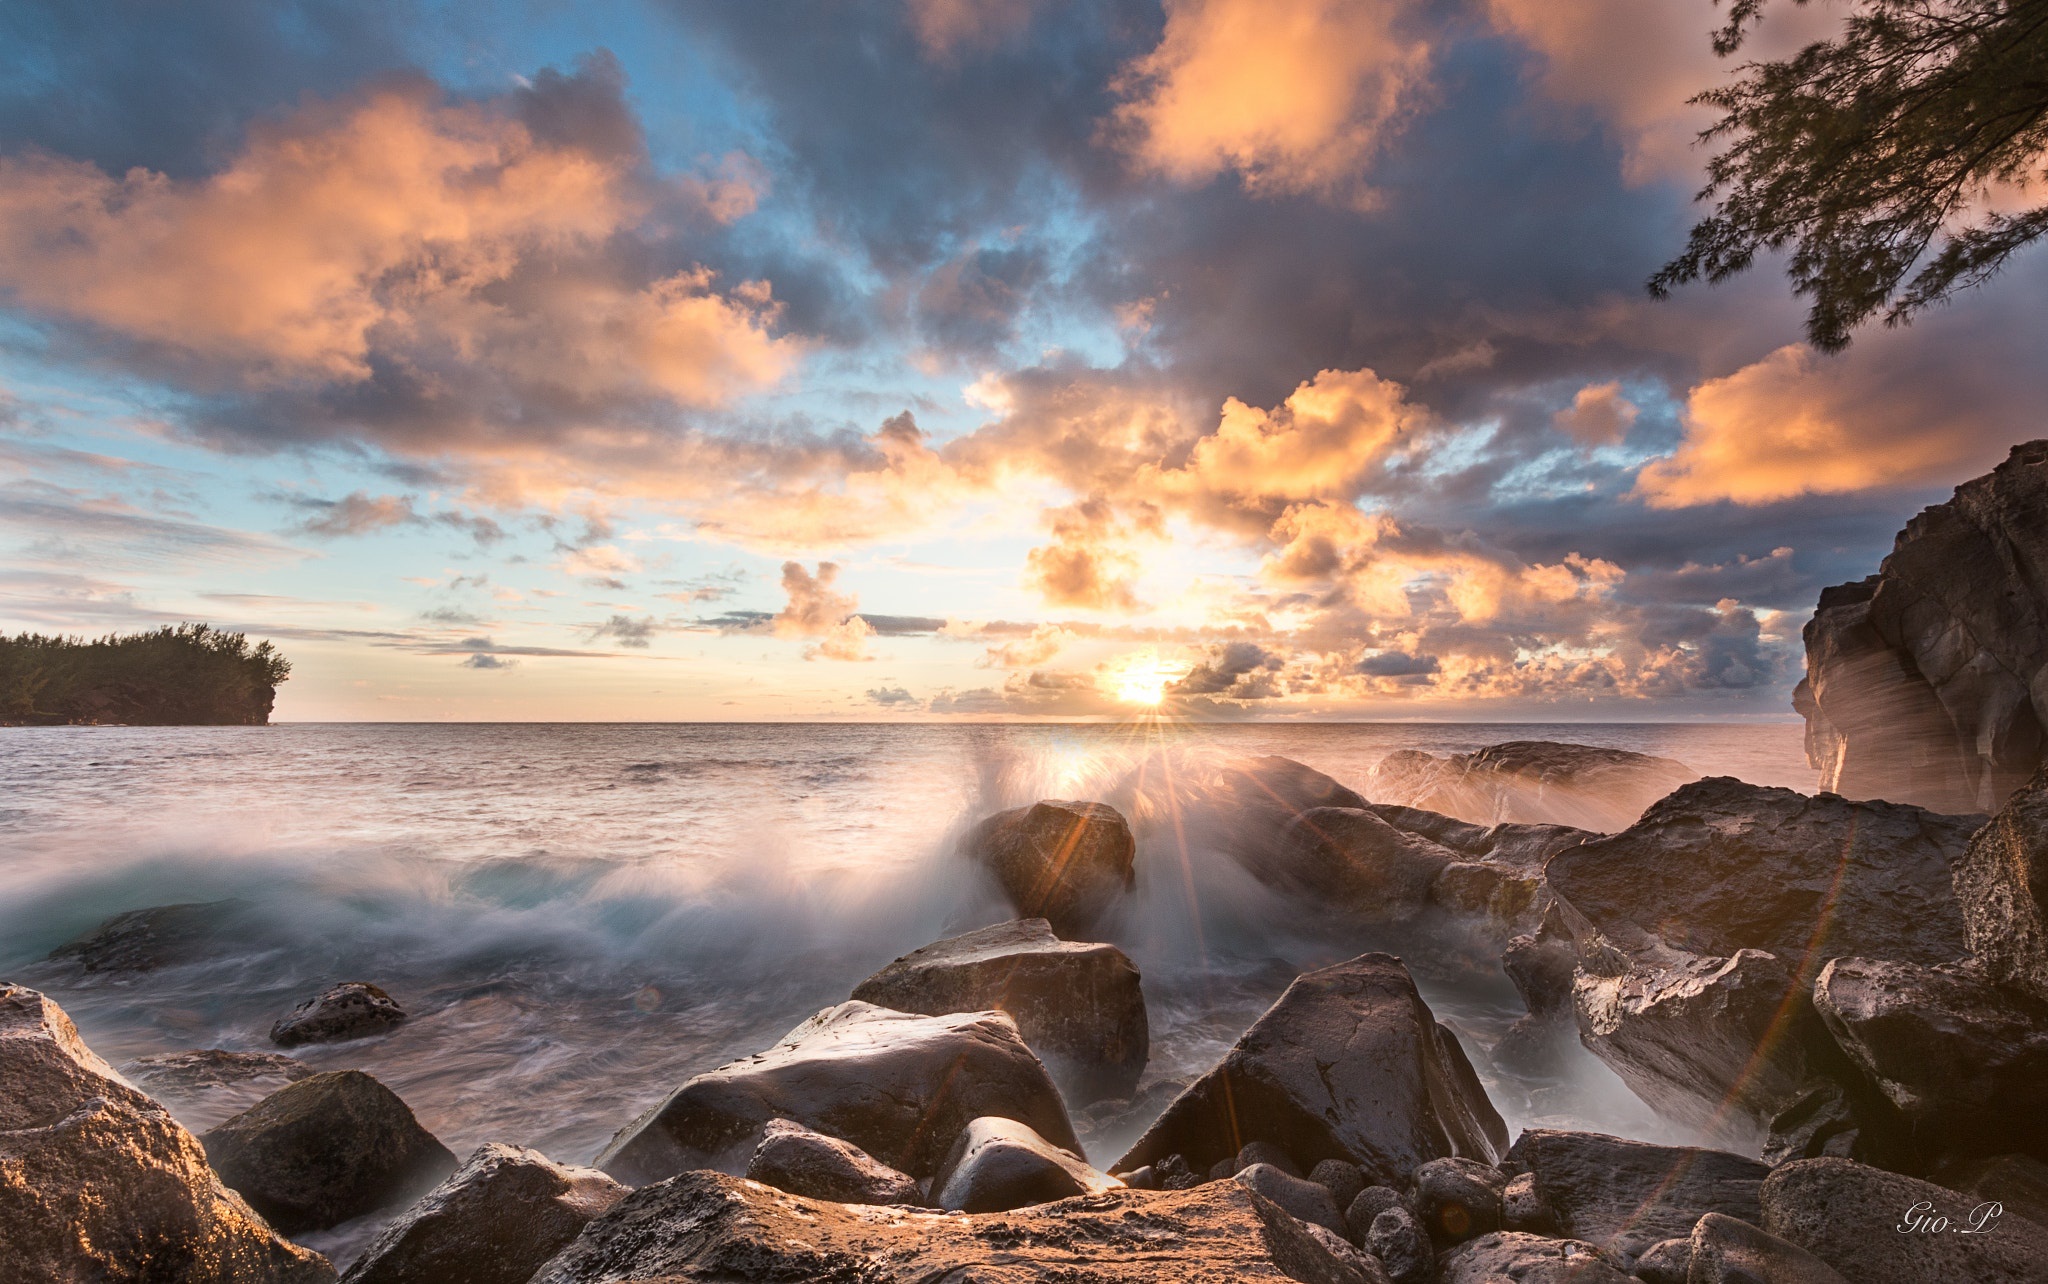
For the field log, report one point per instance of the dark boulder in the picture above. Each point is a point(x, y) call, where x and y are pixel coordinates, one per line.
point(326, 1149)
point(1527, 1259)
point(1856, 1218)
point(1540, 782)
point(1350, 858)
point(1523, 1209)
point(1724, 1250)
point(147, 939)
point(998, 1164)
point(1541, 965)
point(898, 1085)
point(1066, 862)
point(1238, 806)
point(496, 1220)
point(1079, 1006)
point(351, 1010)
point(98, 1182)
point(1457, 1199)
point(791, 1157)
point(1302, 1198)
point(1260, 1151)
point(1342, 1178)
point(1366, 1207)
point(706, 1226)
point(1349, 1064)
point(1402, 1246)
point(2001, 883)
point(1668, 1261)
point(1626, 1195)
point(2019, 1182)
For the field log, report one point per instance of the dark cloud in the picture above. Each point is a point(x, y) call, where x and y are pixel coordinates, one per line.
point(892, 698)
point(485, 660)
point(628, 630)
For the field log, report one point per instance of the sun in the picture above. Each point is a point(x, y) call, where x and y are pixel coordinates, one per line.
point(1142, 678)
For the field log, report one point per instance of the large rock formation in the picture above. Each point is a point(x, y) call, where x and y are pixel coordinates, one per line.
point(98, 1182)
point(1533, 782)
point(1349, 1064)
point(1627, 1195)
point(1527, 1259)
point(1079, 1006)
point(2002, 884)
point(705, 1226)
point(899, 1086)
point(1069, 863)
point(1928, 681)
point(1725, 1250)
point(1857, 1219)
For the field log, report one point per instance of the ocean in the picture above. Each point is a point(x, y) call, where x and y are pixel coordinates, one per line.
point(581, 916)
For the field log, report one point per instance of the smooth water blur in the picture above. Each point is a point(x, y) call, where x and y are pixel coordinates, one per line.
point(581, 916)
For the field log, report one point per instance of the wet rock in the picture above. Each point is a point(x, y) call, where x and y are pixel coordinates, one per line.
point(1349, 1064)
point(1850, 1216)
point(1668, 1261)
point(496, 1220)
point(204, 1087)
point(1921, 681)
point(1302, 1198)
point(1240, 805)
point(1527, 1259)
point(1523, 1209)
point(1260, 1151)
point(326, 1149)
point(1456, 1199)
point(1402, 1246)
point(1510, 845)
point(1726, 1251)
point(1066, 862)
point(2001, 883)
point(899, 1086)
point(98, 1182)
point(1541, 965)
point(1965, 1062)
point(998, 1164)
point(2019, 1182)
point(147, 939)
point(705, 1226)
point(1531, 782)
point(351, 1010)
point(1079, 1006)
point(792, 1157)
point(1821, 1121)
point(1351, 858)
point(1626, 1195)
point(1343, 1179)
point(1366, 1206)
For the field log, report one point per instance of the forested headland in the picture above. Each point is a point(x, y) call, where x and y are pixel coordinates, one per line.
point(182, 675)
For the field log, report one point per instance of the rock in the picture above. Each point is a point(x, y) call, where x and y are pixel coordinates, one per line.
point(326, 1149)
point(898, 1085)
point(351, 1010)
point(1341, 1178)
point(2019, 1182)
point(1541, 965)
point(1173, 1173)
point(98, 1182)
point(1965, 1062)
point(1351, 858)
point(1340, 1248)
point(706, 1226)
point(1456, 1199)
point(1527, 1259)
point(1668, 1261)
point(1302, 1198)
point(1065, 862)
point(1876, 1227)
point(1821, 1121)
point(1110, 1126)
point(1626, 1195)
point(1079, 1006)
point(1366, 1207)
point(2002, 885)
point(1241, 806)
point(146, 939)
point(496, 1220)
point(1401, 1245)
point(1532, 782)
point(1349, 1064)
point(791, 1157)
point(1921, 681)
point(1726, 1251)
point(1223, 1169)
point(1142, 1179)
point(1510, 844)
point(1260, 1151)
point(998, 1164)
point(1523, 1209)
point(204, 1087)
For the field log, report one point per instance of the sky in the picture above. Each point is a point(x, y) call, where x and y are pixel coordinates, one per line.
point(969, 359)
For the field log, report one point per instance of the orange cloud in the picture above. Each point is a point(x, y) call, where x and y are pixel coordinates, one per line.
point(947, 27)
point(1044, 642)
point(1089, 563)
point(1598, 416)
point(1296, 96)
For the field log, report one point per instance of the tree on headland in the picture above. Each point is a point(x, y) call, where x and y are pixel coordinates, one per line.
point(183, 675)
point(1877, 156)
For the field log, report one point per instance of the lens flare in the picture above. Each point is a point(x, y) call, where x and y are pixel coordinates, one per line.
point(1142, 677)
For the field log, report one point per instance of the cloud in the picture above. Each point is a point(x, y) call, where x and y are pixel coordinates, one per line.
point(1598, 416)
point(603, 563)
point(846, 640)
point(359, 513)
point(892, 698)
point(628, 630)
point(1089, 563)
point(1236, 670)
point(814, 610)
point(1044, 642)
point(1398, 664)
point(485, 660)
point(949, 27)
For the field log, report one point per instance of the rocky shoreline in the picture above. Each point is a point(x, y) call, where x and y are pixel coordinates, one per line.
point(1851, 998)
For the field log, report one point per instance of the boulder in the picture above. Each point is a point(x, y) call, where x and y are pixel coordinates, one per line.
point(98, 1182)
point(1260, 1151)
point(791, 1157)
point(2001, 883)
point(1401, 1244)
point(1302, 1198)
point(706, 1226)
point(351, 1010)
point(898, 1085)
point(496, 1220)
point(1343, 1179)
point(998, 1164)
point(1531, 782)
point(1349, 1064)
point(1877, 1227)
point(1924, 683)
point(1238, 806)
point(1964, 1061)
point(1527, 1259)
point(1079, 1006)
point(2019, 1182)
point(204, 1087)
point(144, 940)
point(1366, 1207)
point(325, 1149)
point(1367, 1266)
point(1627, 1195)
point(1668, 1261)
point(1523, 1209)
point(1351, 858)
point(1457, 1199)
point(1541, 965)
point(1066, 862)
point(1724, 1250)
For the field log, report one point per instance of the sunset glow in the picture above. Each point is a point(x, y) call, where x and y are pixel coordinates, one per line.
point(1142, 679)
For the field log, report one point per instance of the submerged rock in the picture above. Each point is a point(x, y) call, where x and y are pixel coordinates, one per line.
point(1855, 1218)
point(1531, 782)
point(1349, 1064)
point(98, 1182)
point(792, 1157)
point(496, 1220)
point(204, 1087)
point(705, 1226)
point(1624, 1196)
point(351, 1010)
point(326, 1149)
point(998, 1164)
point(1079, 1006)
point(1527, 1259)
point(1724, 1250)
point(899, 1086)
point(1065, 862)
point(146, 939)
point(2002, 885)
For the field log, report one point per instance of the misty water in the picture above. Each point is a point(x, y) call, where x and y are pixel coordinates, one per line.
point(580, 917)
